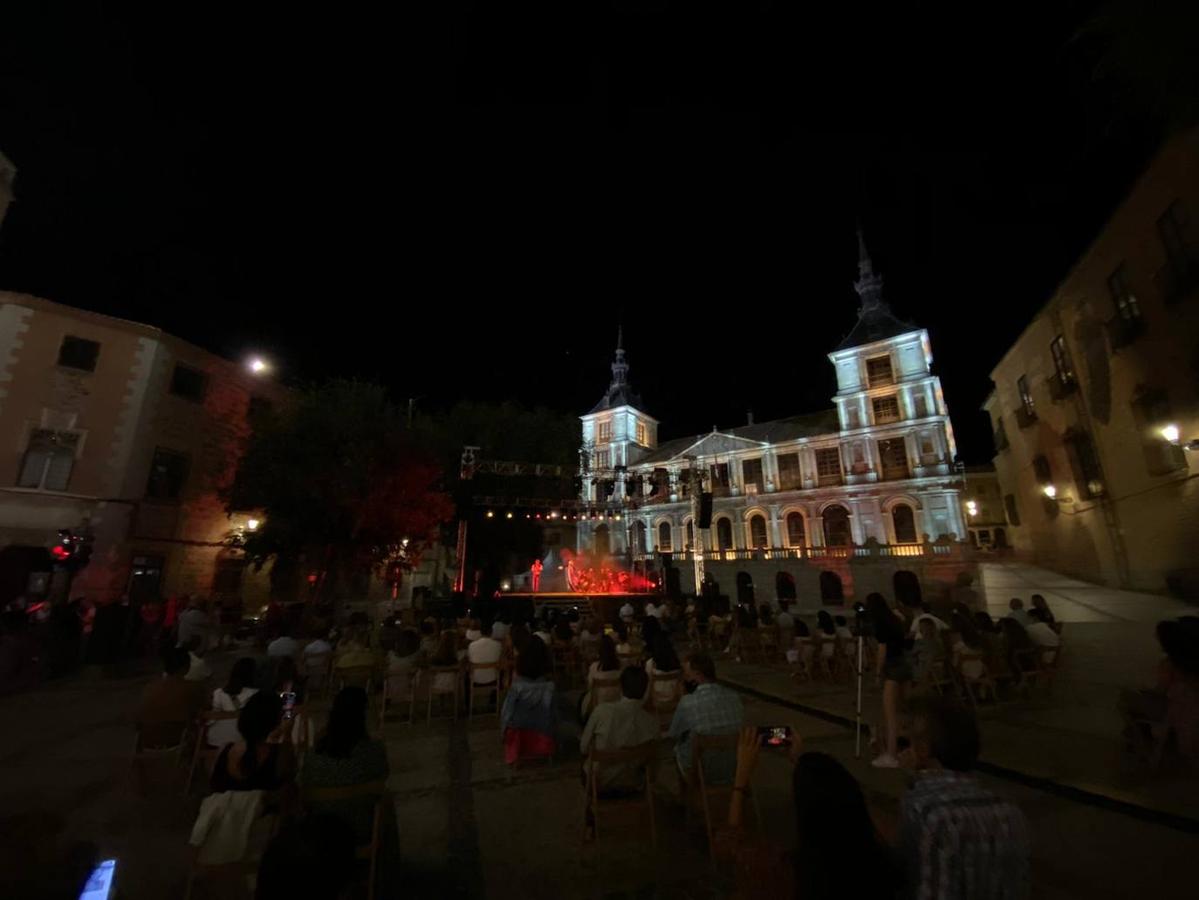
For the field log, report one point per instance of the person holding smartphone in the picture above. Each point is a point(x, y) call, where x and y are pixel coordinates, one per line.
point(263, 760)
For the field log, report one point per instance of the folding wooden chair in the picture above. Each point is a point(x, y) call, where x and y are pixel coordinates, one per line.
point(605, 688)
point(702, 744)
point(1045, 667)
point(205, 750)
point(440, 690)
point(332, 797)
point(644, 756)
point(475, 686)
point(317, 668)
point(170, 753)
point(399, 689)
point(356, 676)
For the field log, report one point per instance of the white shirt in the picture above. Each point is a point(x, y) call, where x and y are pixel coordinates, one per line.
point(199, 670)
point(651, 610)
point(915, 632)
point(193, 623)
point(473, 634)
point(499, 630)
point(283, 646)
point(1020, 616)
point(1043, 635)
point(320, 645)
point(485, 651)
point(785, 621)
point(626, 611)
point(224, 731)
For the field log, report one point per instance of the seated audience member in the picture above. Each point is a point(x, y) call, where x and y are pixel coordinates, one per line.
point(1171, 708)
point(765, 616)
point(318, 645)
point(957, 839)
point(499, 628)
point(969, 643)
point(1042, 632)
point(311, 858)
point(626, 612)
point(353, 652)
point(651, 610)
point(1038, 602)
point(543, 632)
point(828, 630)
point(344, 755)
point(193, 624)
point(842, 627)
point(263, 759)
point(169, 703)
point(623, 647)
point(709, 709)
point(1019, 649)
point(926, 612)
point(404, 662)
point(563, 633)
point(838, 852)
point(927, 650)
point(448, 655)
point(486, 650)
point(231, 698)
point(198, 670)
point(784, 620)
point(590, 632)
point(984, 623)
point(663, 661)
point(428, 637)
point(283, 645)
point(518, 637)
point(620, 725)
point(474, 630)
point(1016, 607)
point(529, 717)
point(604, 672)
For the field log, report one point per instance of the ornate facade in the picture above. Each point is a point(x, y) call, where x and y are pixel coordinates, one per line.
point(877, 468)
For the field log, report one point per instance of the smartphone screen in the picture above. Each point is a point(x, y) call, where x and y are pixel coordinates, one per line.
point(774, 736)
point(99, 883)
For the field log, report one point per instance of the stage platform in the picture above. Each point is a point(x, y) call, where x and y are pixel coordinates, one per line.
point(604, 606)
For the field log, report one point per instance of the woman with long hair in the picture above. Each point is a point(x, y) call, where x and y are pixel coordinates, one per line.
point(231, 698)
point(664, 661)
point(262, 760)
point(893, 669)
point(603, 673)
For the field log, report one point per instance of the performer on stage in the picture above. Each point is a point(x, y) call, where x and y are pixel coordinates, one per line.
point(570, 574)
point(536, 570)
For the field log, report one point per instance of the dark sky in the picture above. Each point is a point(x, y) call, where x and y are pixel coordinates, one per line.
point(466, 207)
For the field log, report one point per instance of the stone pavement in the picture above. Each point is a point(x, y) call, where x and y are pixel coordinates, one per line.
point(470, 828)
point(1071, 738)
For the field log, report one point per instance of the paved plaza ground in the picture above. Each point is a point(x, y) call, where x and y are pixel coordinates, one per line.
point(470, 828)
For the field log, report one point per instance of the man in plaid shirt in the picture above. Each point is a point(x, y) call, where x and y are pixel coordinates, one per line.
point(959, 841)
point(709, 709)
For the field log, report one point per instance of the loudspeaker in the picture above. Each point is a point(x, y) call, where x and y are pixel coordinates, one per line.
point(705, 510)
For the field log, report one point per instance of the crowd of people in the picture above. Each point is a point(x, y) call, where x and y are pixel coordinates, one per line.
point(635, 689)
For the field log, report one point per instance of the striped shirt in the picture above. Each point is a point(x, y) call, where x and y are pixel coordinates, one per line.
point(711, 709)
point(961, 842)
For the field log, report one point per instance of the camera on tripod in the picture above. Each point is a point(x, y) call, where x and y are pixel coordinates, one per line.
point(863, 626)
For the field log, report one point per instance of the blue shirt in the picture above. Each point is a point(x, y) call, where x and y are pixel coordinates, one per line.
point(711, 709)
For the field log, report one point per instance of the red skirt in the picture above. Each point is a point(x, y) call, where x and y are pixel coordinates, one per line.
point(524, 743)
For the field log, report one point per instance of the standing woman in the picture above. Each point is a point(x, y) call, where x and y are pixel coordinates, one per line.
point(893, 669)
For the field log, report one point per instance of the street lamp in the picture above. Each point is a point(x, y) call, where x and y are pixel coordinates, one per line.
point(1050, 491)
point(252, 524)
point(1170, 433)
point(257, 365)
point(972, 507)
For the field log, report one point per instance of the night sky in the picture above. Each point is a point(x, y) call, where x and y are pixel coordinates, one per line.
point(467, 207)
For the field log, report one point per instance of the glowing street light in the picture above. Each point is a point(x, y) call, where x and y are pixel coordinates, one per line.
point(1170, 433)
point(257, 365)
point(252, 524)
point(1050, 491)
point(972, 507)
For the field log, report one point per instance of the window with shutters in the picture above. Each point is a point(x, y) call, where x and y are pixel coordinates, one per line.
point(795, 530)
point(49, 459)
point(641, 434)
point(878, 371)
point(604, 431)
point(886, 409)
point(188, 383)
point(168, 472)
point(789, 476)
point(751, 473)
point(828, 465)
point(78, 353)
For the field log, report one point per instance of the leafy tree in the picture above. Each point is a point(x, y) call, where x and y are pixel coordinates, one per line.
point(336, 472)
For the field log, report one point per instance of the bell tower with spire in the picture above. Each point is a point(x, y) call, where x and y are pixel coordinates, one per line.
point(616, 432)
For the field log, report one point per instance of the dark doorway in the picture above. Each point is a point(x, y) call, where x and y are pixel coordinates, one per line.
point(784, 586)
point(831, 589)
point(745, 588)
point(907, 588)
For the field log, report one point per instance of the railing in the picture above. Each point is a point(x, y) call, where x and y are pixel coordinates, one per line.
point(814, 553)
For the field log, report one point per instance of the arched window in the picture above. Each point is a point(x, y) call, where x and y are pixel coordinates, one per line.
point(904, 521)
point(638, 537)
point(665, 537)
point(757, 532)
point(690, 535)
point(796, 536)
point(724, 535)
point(831, 591)
point(784, 586)
point(907, 588)
point(603, 545)
point(836, 527)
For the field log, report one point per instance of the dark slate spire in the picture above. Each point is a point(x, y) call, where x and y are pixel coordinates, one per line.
point(619, 393)
point(875, 322)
